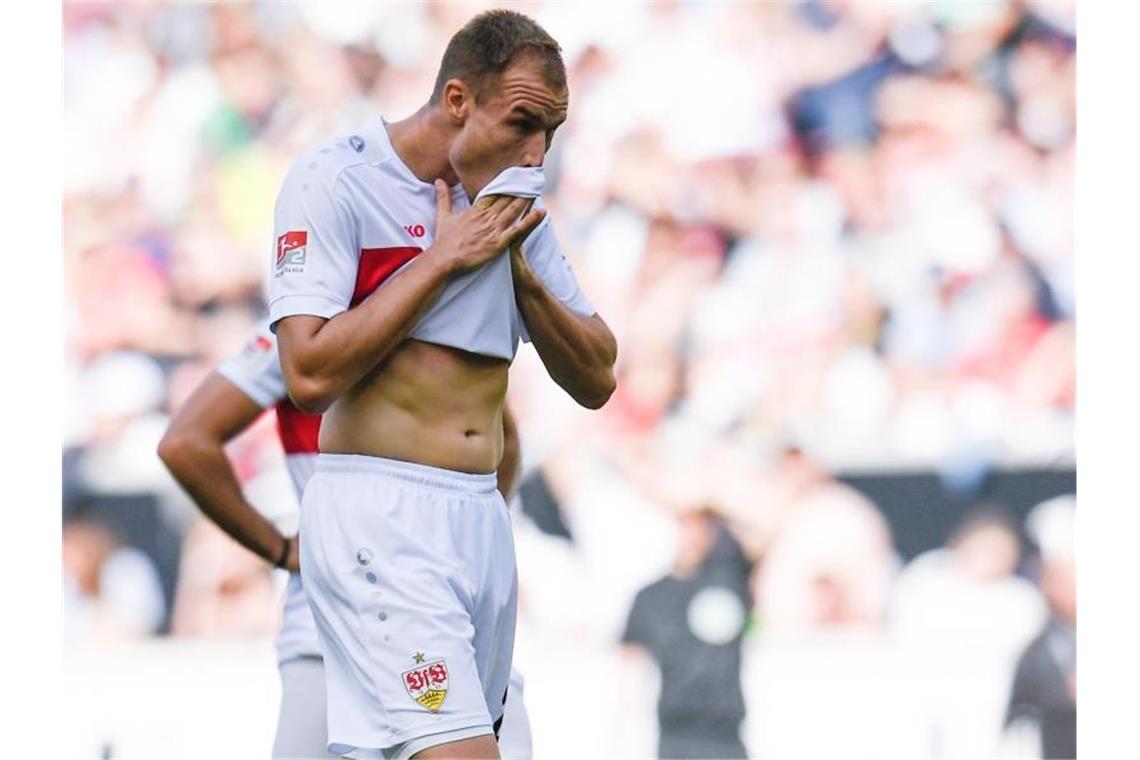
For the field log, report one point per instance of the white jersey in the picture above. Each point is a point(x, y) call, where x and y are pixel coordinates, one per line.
point(256, 370)
point(350, 214)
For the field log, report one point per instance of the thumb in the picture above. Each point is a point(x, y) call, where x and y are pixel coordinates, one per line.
point(442, 199)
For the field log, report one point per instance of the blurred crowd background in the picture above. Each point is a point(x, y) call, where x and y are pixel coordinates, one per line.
point(835, 242)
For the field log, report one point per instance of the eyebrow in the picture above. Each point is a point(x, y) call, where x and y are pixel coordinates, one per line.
point(527, 112)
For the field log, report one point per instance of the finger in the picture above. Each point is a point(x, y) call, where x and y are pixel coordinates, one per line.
point(442, 199)
point(510, 212)
point(527, 205)
point(493, 204)
point(518, 232)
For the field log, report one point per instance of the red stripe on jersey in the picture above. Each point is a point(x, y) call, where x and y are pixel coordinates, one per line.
point(377, 265)
point(299, 431)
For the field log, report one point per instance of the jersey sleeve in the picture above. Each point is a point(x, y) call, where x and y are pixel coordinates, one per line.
point(315, 245)
point(546, 259)
point(256, 369)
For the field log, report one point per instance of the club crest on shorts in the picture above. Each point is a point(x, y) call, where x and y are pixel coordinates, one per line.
point(427, 682)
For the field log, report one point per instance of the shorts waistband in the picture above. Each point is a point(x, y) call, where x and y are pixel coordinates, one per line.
point(483, 484)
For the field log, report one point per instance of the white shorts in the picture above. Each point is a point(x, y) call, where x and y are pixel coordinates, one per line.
point(298, 634)
point(301, 722)
point(410, 574)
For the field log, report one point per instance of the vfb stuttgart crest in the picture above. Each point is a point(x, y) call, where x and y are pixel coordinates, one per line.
point(427, 683)
point(291, 251)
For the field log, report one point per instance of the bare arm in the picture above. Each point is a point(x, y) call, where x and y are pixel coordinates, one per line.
point(578, 351)
point(193, 450)
point(322, 358)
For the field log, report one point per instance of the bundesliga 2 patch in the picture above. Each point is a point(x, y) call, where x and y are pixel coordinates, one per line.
point(427, 682)
point(291, 251)
point(259, 344)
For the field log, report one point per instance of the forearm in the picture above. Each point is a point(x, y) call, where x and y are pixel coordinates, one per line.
point(200, 466)
point(327, 358)
point(578, 351)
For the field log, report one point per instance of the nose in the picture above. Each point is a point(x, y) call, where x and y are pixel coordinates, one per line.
point(535, 151)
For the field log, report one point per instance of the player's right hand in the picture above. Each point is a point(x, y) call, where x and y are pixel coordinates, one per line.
point(476, 235)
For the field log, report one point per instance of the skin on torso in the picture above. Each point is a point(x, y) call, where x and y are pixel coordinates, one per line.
point(425, 403)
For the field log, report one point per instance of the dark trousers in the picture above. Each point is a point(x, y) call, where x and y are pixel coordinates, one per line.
point(706, 742)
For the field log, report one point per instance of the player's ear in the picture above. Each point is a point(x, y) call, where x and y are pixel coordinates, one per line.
point(458, 100)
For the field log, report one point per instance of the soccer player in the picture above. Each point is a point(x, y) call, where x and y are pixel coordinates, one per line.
point(221, 408)
point(411, 258)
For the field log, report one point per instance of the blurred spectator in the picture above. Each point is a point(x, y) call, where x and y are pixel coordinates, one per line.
point(691, 623)
point(111, 591)
point(871, 255)
point(223, 590)
point(1045, 684)
point(830, 565)
point(963, 616)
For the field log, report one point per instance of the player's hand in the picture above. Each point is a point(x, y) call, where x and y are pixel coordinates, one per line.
point(293, 561)
point(520, 266)
point(476, 235)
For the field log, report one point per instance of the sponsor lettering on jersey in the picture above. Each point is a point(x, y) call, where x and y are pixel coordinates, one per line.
point(427, 682)
point(415, 230)
point(291, 251)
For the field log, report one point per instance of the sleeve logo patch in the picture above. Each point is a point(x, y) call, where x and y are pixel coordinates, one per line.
point(258, 344)
point(427, 683)
point(291, 249)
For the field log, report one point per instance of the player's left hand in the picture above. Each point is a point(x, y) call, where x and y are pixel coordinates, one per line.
point(520, 268)
point(293, 561)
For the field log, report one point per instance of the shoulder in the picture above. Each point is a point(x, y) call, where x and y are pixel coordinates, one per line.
point(256, 368)
point(661, 587)
point(1035, 659)
point(327, 162)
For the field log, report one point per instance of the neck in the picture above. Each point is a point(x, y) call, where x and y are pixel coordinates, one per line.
point(423, 142)
point(687, 566)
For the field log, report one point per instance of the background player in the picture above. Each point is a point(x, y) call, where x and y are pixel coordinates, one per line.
point(226, 404)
